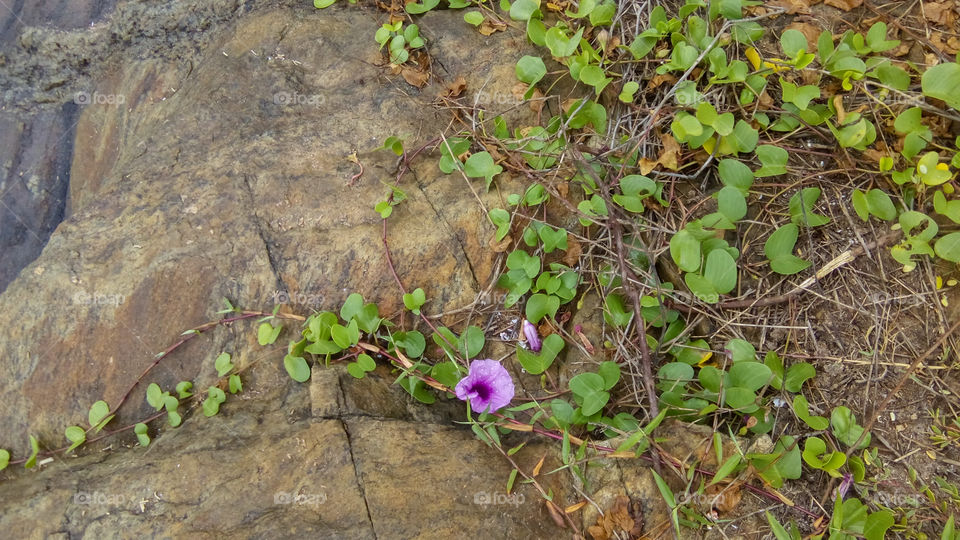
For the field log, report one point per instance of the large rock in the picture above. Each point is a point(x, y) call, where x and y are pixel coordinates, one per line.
point(229, 178)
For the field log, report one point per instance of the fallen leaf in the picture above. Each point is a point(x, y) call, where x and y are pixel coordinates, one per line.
point(725, 498)
point(501, 246)
point(574, 249)
point(414, 77)
point(671, 152)
point(941, 13)
point(845, 5)
point(456, 88)
point(622, 519)
point(841, 112)
point(657, 80)
point(574, 507)
point(536, 103)
point(536, 470)
point(519, 90)
point(646, 165)
point(793, 6)
point(556, 514)
point(586, 345)
point(489, 26)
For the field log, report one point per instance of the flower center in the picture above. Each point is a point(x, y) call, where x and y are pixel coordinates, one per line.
point(482, 391)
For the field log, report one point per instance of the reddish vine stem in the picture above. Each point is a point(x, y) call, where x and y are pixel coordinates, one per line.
point(190, 334)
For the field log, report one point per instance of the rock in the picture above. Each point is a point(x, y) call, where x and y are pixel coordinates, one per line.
point(230, 177)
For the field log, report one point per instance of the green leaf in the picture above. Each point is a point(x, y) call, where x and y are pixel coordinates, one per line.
point(530, 69)
point(629, 89)
point(588, 391)
point(415, 300)
point(685, 251)
point(734, 173)
point(610, 372)
point(781, 242)
point(774, 160)
point(948, 247)
point(540, 305)
point(726, 469)
point(446, 373)
point(535, 364)
point(802, 409)
point(98, 415)
point(501, 220)
point(4, 459)
point(472, 341)
point(76, 435)
point(801, 208)
point(155, 396)
point(223, 364)
point(721, 270)
point(34, 451)
point(522, 10)
point(750, 375)
point(702, 288)
point(236, 385)
point(142, 436)
point(473, 17)
point(418, 8)
point(878, 523)
point(731, 203)
point(845, 428)
point(183, 389)
point(941, 82)
point(798, 374)
point(319, 4)
point(296, 367)
point(352, 306)
point(481, 165)
point(793, 43)
point(267, 334)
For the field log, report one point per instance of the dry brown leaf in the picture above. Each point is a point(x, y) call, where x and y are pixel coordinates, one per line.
point(574, 249)
point(951, 46)
point(490, 26)
point(536, 470)
point(536, 103)
point(941, 13)
point(657, 80)
point(727, 497)
point(622, 517)
point(793, 6)
point(563, 189)
point(414, 77)
point(456, 88)
point(765, 101)
point(646, 165)
point(845, 5)
point(671, 152)
point(841, 112)
point(501, 246)
point(574, 507)
point(556, 514)
point(519, 90)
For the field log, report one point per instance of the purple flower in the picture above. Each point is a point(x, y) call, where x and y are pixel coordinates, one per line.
point(488, 386)
point(845, 485)
point(533, 338)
